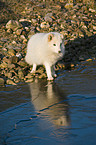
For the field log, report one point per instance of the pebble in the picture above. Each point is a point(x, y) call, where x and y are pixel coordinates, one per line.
point(14, 59)
point(22, 37)
point(44, 25)
point(69, 5)
point(10, 82)
point(34, 21)
point(18, 32)
point(48, 17)
point(11, 52)
point(13, 24)
point(2, 82)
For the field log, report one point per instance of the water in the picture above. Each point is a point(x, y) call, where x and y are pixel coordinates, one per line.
point(45, 113)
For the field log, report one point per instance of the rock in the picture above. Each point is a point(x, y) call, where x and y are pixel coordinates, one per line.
point(34, 21)
point(29, 80)
point(8, 74)
point(92, 10)
point(24, 41)
point(89, 59)
point(25, 20)
point(22, 37)
point(30, 75)
point(9, 31)
point(2, 82)
point(44, 25)
point(72, 65)
point(3, 65)
point(31, 32)
point(11, 52)
point(94, 27)
point(10, 66)
point(20, 74)
point(48, 17)
point(10, 82)
point(69, 5)
point(18, 32)
point(22, 63)
point(40, 70)
point(14, 59)
point(43, 75)
point(38, 29)
point(27, 29)
point(16, 79)
point(13, 24)
point(14, 42)
point(4, 40)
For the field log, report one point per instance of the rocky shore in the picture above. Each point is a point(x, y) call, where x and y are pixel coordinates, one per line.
point(77, 23)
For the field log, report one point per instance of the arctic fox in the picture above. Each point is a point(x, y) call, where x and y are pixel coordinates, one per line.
point(45, 49)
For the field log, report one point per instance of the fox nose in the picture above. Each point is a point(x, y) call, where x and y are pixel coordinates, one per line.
point(59, 51)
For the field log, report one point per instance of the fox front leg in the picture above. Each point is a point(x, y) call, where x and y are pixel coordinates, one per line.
point(33, 69)
point(48, 71)
point(53, 71)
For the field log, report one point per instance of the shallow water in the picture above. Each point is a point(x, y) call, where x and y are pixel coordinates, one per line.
point(45, 113)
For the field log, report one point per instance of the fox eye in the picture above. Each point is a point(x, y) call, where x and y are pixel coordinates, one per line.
point(54, 44)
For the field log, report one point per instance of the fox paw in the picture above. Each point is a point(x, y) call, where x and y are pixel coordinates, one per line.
point(50, 79)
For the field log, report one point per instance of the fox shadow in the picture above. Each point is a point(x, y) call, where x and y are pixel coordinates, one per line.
point(79, 49)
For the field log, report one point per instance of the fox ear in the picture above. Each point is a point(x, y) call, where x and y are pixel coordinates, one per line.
point(50, 37)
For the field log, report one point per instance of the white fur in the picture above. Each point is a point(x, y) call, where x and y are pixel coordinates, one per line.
point(45, 49)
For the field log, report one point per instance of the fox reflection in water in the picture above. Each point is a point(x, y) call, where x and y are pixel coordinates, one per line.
point(47, 100)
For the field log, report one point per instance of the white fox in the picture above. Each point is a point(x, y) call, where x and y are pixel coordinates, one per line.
point(45, 49)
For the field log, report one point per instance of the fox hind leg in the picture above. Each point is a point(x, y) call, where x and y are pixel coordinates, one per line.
point(33, 69)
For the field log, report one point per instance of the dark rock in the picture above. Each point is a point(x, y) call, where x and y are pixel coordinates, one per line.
point(2, 82)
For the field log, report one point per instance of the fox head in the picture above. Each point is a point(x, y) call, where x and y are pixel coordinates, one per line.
point(56, 42)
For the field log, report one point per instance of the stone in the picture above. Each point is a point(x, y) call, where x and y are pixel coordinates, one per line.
point(22, 37)
point(43, 75)
point(13, 24)
point(11, 52)
point(29, 80)
point(14, 59)
point(94, 27)
point(20, 74)
point(22, 63)
point(3, 65)
point(8, 74)
point(10, 66)
point(44, 25)
point(25, 20)
point(92, 10)
point(14, 42)
point(2, 82)
point(48, 17)
point(18, 32)
point(10, 82)
point(16, 79)
point(89, 59)
point(9, 31)
point(69, 5)
point(34, 21)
